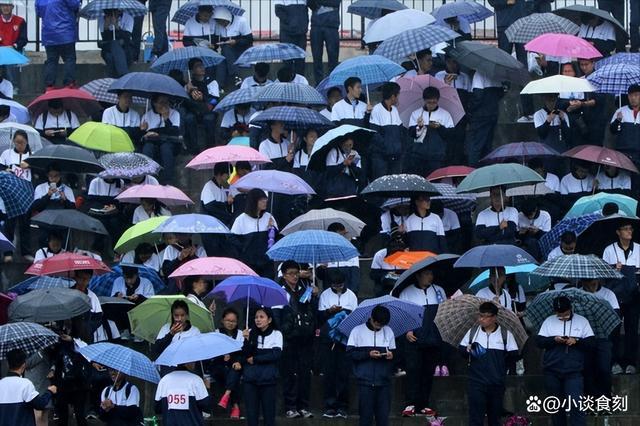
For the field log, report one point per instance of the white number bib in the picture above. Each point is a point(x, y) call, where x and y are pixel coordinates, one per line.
point(178, 399)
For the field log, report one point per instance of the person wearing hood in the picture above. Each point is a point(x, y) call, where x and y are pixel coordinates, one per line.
point(232, 35)
point(294, 23)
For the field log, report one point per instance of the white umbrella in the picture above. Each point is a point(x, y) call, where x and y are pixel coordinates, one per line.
point(321, 219)
point(7, 130)
point(558, 84)
point(395, 23)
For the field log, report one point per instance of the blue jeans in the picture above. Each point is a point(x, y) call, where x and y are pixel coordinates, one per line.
point(68, 54)
point(324, 36)
point(159, 16)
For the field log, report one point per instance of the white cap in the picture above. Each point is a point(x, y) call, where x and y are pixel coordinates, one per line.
point(222, 13)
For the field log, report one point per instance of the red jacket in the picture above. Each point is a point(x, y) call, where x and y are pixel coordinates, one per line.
point(13, 32)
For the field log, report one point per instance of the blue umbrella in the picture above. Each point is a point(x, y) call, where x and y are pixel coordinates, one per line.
point(240, 141)
point(551, 239)
point(405, 316)
point(620, 58)
point(590, 204)
point(5, 244)
point(198, 348)
point(313, 246)
point(120, 358)
point(471, 11)
point(291, 93)
point(40, 282)
point(238, 97)
point(102, 285)
point(615, 79)
point(145, 84)
point(324, 86)
point(370, 69)
point(189, 9)
point(16, 193)
point(293, 118)
point(523, 277)
point(275, 181)
point(18, 110)
point(10, 56)
point(179, 59)
point(192, 223)
point(399, 47)
point(271, 52)
point(374, 9)
point(95, 9)
point(332, 138)
point(494, 255)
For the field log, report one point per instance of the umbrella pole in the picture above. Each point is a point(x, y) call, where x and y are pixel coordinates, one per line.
point(247, 317)
point(597, 173)
point(66, 243)
point(367, 88)
point(111, 390)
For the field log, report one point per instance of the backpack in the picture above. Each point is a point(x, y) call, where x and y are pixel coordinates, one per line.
point(139, 418)
point(517, 421)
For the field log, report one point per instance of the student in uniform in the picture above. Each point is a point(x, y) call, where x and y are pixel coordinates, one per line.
point(260, 77)
point(204, 93)
point(552, 181)
point(533, 223)
point(278, 148)
point(56, 123)
point(597, 31)
point(132, 286)
point(496, 290)
point(53, 194)
point(148, 208)
point(287, 75)
point(488, 348)
point(351, 267)
point(232, 35)
point(565, 337)
point(612, 178)
point(199, 27)
point(145, 255)
point(54, 247)
point(181, 397)
point(579, 181)
point(123, 116)
point(552, 124)
point(383, 274)
point(240, 115)
point(93, 319)
point(498, 223)
point(388, 145)
point(568, 241)
point(625, 124)
point(120, 402)
point(180, 252)
point(451, 224)
point(115, 28)
point(343, 175)
point(334, 94)
point(424, 230)
point(483, 116)
point(325, 22)
point(351, 110)
point(161, 127)
point(215, 197)
point(294, 23)
point(227, 370)
point(301, 158)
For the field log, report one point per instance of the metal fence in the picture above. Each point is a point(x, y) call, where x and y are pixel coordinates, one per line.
point(264, 23)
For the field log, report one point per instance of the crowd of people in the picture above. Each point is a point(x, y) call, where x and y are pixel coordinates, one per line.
point(286, 344)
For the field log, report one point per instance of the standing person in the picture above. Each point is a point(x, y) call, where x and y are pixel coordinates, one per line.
point(181, 397)
point(159, 10)
point(370, 347)
point(351, 110)
point(599, 32)
point(13, 33)
point(507, 12)
point(277, 147)
point(203, 93)
point(565, 338)
point(343, 175)
point(487, 347)
point(59, 35)
point(325, 22)
point(579, 181)
point(294, 22)
point(388, 145)
point(226, 370)
point(483, 115)
point(115, 28)
point(120, 402)
point(593, 108)
point(350, 267)
point(199, 27)
point(261, 352)
point(625, 125)
point(498, 223)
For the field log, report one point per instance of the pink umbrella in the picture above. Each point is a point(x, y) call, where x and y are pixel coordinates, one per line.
point(228, 153)
point(562, 45)
point(215, 267)
point(602, 156)
point(166, 194)
point(410, 98)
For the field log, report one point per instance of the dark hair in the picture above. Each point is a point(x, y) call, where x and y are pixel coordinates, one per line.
point(177, 76)
point(561, 304)
point(336, 227)
point(437, 207)
point(244, 165)
point(53, 167)
point(286, 74)
point(84, 272)
point(179, 304)
point(262, 69)
point(390, 89)
point(142, 248)
point(129, 271)
point(253, 336)
point(157, 206)
point(54, 235)
point(535, 163)
point(574, 66)
point(610, 208)
point(333, 89)
point(634, 88)
point(20, 132)
point(488, 308)
point(230, 310)
point(187, 284)
point(251, 206)
point(529, 206)
point(422, 53)
point(568, 237)
point(431, 93)
point(16, 358)
point(55, 103)
point(334, 276)
point(289, 264)
point(221, 168)
point(205, 9)
point(350, 82)
point(381, 315)
point(193, 62)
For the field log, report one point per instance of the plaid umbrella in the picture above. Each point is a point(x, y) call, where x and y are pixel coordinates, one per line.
point(396, 22)
point(120, 358)
point(370, 69)
point(620, 58)
point(96, 8)
point(470, 11)
point(460, 203)
point(405, 316)
point(399, 47)
point(402, 185)
point(522, 151)
point(615, 78)
point(313, 246)
point(457, 316)
point(189, 9)
point(99, 89)
point(601, 316)
point(551, 239)
point(293, 118)
point(102, 285)
point(39, 283)
point(179, 59)
point(27, 336)
point(374, 9)
point(577, 266)
point(16, 193)
point(238, 97)
point(490, 60)
point(291, 93)
point(271, 52)
point(47, 305)
point(529, 27)
point(127, 165)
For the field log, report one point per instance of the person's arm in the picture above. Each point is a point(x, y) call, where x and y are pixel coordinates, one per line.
point(204, 404)
point(244, 41)
point(358, 354)
point(40, 402)
point(586, 343)
point(161, 344)
point(267, 356)
point(22, 40)
point(547, 342)
point(484, 233)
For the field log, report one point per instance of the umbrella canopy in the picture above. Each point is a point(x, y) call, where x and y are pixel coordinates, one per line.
point(410, 98)
point(374, 9)
point(178, 59)
point(216, 267)
point(201, 347)
point(69, 219)
point(402, 185)
point(449, 172)
point(332, 140)
point(238, 97)
point(5, 244)
point(76, 100)
point(494, 255)
point(8, 130)
point(141, 232)
point(99, 89)
point(123, 359)
point(460, 203)
point(521, 151)
point(396, 22)
point(557, 84)
point(489, 60)
point(102, 137)
point(370, 69)
point(102, 285)
point(615, 79)
point(146, 84)
point(601, 316)
point(5, 301)
point(523, 278)
point(457, 316)
point(189, 9)
point(594, 203)
point(239, 141)
point(227, 153)
point(95, 9)
point(166, 194)
point(54, 304)
point(401, 46)
point(10, 56)
point(150, 316)
point(577, 266)
point(67, 157)
point(274, 181)
point(262, 291)
point(529, 27)
point(18, 110)
point(597, 236)
point(294, 118)
point(269, 53)
point(16, 193)
point(575, 12)
point(619, 58)
point(601, 155)
point(405, 316)
point(508, 175)
point(313, 246)
point(321, 219)
point(406, 259)
point(562, 45)
point(127, 165)
point(64, 263)
point(192, 223)
point(469, 10)
point(291, 93)
point(27, 336)
point(551, 239)
point(39, 283)
point(444, 274)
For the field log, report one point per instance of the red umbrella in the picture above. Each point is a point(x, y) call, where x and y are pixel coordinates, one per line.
point(61, 264)
point(5, 301)
point(601, 155)
point(449, 172)
point(81, 102)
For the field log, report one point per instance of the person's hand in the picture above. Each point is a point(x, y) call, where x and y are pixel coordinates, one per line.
point(411, 337)
point(550, 117)
point(468, 348)
point(184, 253)
point(134, 297)
point(289, 156)
point(369, 107)
point(176, 328)
point(152, 135)
point(618, 266)
point(389, 355)
point(434, 124)
point(144, 126)
point(227, 358)
point(207, 383)
point(232, 42)
point(504, 224)
point(374, 354)
point(50, 375)
point(511, 2)
point(50, 133)
point(53, 389)
point(63, 196)
point(229, 199)
point(618, 116)
point(271, 222)
point(420, 122)
point(596, 184)
point(334, 309)
point(559, 339)
point(563, 115)
point(62, 132)
point(236, 366)
point(245, 333)
point(520, 314)
point(106, 405)
point(348, 160)
point(402, 229)
point(24, 165)
point(120, 295)
point(450, 78)
point(52, 190)
point(196, 95)
point(305, 274)
point(250, 360)
point(66, 338)
point(571, 341)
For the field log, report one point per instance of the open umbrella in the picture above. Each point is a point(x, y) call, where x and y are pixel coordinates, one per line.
point(40, 283)
point(123, 359)
point(602, 232)
point(313, 246)
point(523, 278)
point(102, 285)
point(402, 46)
point(405, 316)
point(551, 239)
point(8, 130)
point(396, 22)
point(17, 110)
point(67, 157)
point(69, 219)
point(615, 79)
point(521, 151)
point(192, 223)
point(489, 60)
point(374, 9)
point(127, 165)
point(577, 266)
point(10, 56)
point(369, 69)
point(178, 59)
point(402, 185)
point(507, 175)
point(141, 232)
point(449, 172)
point(99, 89)
point(64, 263)
point(238, 97)
point(214, 267)
point(16, 193)
point(469, 10)
point(227, 153)
point(146, 84)
point(410, 98)
point(321, 219)
point(5, 301)
point(54, 304)
point(274, 181)
point(76, 100)
point(27, 336)
point(562, 45)
point(602, 156)
point(494, 255)
point(200, 347)
point(166, 194)
point(333, 138)
point(460, 203)
point(291, 93)
point(557, 84)
point(102, 137)
point(270, 52)
point(601, 316)
point(406, 259)
point(95, 9)
point(594, 203)
point(529, 27)
point(444, 274)
point(294, 118)
point(623, 58)
point(189, 9)
point(575, 12)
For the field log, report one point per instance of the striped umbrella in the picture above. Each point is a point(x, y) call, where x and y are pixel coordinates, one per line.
point(189, 9)
point(28, 336)
point(405, 316)
point(313, 246)
point(238, 97)
point(529, 27)
point(99, 89)
point(271, 52)
point(401, 46)
point(620, 58)
point(369, 69)
point(179, 59)
point(95, 9)
point(615, 78)
point(470, 11)
point(120, 358)
point(293, 118)
point(374, 9)
point(291, 93)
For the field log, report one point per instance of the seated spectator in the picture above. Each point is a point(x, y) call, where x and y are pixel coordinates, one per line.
point(215, 197)
point(132, 286)
point(203, 93)
point(278, 148)
point(53, 194)
point(579, 181)
point(196, 288)
point(533, 223)
point(343, 174)
point(496, 291)
point(498, 223)
point(611, 177)
point(144, 254)
point(179, 252)
point(198, 28)
point(394, 216)
point(123, 116)
point(13, 159)
point(334, 95)
point(624, 124)
point(424, 229)
point(149, 207)
point(552, 124)
point(551, 181)
point(115, 29)
point(161, 140)
point(567, 245)
point(453, 76)
point(259, 77)
point(54, 246)
point(56, 123)
point(120, 402)
point(597, 31)
point(240, 114)
point(232, 35)
point(287, 75)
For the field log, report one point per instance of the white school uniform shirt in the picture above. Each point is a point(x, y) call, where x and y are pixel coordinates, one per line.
point(578, 327)
point(613, 254)
point(552, 182)
point(196, 300)
point(58, 121)
point(621, 181)
point(239, 26)
point(432, 295)
point(192, 331)
point(212, 192)
point(381, 116)
point(326, 113)
point(115, 117)
point(171, 253)
point(42, 189)
point(450, 220)
point(353, 262)
point(119, 397)
point(300, 159)
point(385, 221)
point(272, 149)
point(606, 295)
point(193, 28)
point(148, 180)
point(336, 157)
point(100, 335)
point(99, 187)
point(239, 337)
point(362, 336)
point(44, 253)
point(463, 82)
point(505, 297)
point(298, 78)
point(379, 263)
point(540, 117)
point(6, 88)
point(181, 385)
point(125, 23)
point(542, 222)
point(482, 81)
point(153, 262)
point(490, 340)
point(570, 185)
point(556, 252)
point(11, 160)
point(627, 115)
point(489, 217)
point(343, 109)
point(440, 115)
point(604, 31)
point(230, 118)
point(140, 214)
point(145, 288)
point(347, 300)
point(155, 121)
point(245, 224)
point(251, 82)
point(272, 341)
point(432, 222)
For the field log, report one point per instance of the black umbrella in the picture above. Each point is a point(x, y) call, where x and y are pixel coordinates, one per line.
point(54, 304)
point(333, 138)
point(574, 12)
point(444, 274)
point(146, 84)
point(70, 219)
point(402, 185)
point(70, 159)
point(602, 232)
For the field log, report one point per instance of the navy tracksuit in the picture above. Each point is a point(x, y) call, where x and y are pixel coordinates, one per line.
point(325, 22)
point(294, 22)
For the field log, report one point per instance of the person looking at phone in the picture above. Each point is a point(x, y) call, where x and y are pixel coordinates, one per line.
point(53, 193)
point(552, 124)
point(343, 175)
point(179, 328)
point(56, 123)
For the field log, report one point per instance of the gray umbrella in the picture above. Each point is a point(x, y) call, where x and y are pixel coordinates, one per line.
point(574, 12)
point(53, 304)
point(529, 27)
point(70, 219)
point(68, 158)
point(490, 60)
point(321, 219)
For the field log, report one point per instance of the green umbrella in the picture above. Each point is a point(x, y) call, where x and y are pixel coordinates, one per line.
point(507, 175)
point(102, 137)
point(594, 204)
point(148, 318)
point(140, 233)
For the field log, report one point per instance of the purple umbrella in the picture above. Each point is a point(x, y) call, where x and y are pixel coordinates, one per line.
point(521, 151)
point(274, 181)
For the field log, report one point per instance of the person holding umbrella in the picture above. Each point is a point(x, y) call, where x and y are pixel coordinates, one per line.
point(260, 77)
point(233, 36)
point(343, 174)
point(120, 402)
point(277, 147)
point(578, 181)
point(199, 27)
point(351, 110)
point(56, 123)
point(148, 208)
point(610, 178)
point(424, 229)
point(496, 290)
point(552, 124)
point(115, 28)
point(498, 223)
point(227, 369)
point(123, 116)
point(161, 127)
point(216, 197)
point(204, 93)
point(180, 252)
point(597, 31)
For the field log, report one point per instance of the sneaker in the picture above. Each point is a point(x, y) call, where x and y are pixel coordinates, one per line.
point(235, 413)
point(409, 411)
point(305, 414)
point(630, 370)
point(616, 369)
point(224, 401)
point(437, 372)
point(292, 414)
point(330, 414)
point(444, 371)
point(428, 412)
point(91, 416)
point(520, 367)
point(525, 119)
point(399, 373)
point(341, 414)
